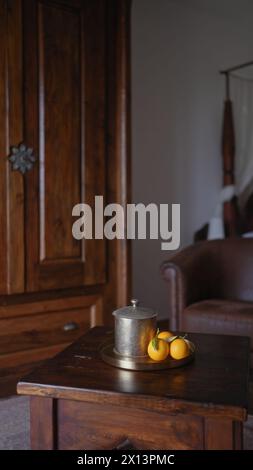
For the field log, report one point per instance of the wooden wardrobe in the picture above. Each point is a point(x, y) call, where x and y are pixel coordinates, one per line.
point(64, 96)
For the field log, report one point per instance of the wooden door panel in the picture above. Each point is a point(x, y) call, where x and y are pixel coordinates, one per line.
point(60, 138)
point(11, 134)
point(65, 124)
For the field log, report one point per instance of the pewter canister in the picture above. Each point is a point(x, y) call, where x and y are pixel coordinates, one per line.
point(134, 328)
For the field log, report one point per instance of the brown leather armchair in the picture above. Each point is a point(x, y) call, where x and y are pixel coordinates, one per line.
point(210, 288)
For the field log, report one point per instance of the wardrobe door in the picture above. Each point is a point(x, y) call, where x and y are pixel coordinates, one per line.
point(64, 123)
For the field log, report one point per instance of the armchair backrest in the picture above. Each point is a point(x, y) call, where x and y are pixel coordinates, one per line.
point(221, 269)
point(211, 269)
point(235, 269)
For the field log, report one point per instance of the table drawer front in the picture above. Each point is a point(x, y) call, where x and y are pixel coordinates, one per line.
point(90, 426)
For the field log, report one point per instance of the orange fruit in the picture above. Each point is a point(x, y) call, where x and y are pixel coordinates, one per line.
point(179, 348)
point(165, 335)
point(158, 349)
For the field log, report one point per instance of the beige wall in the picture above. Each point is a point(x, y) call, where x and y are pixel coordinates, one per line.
point(178, 47)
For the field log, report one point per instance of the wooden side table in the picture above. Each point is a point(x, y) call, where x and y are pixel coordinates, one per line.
point(79, 402)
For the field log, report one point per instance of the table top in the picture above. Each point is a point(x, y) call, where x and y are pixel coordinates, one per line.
point(214, 384)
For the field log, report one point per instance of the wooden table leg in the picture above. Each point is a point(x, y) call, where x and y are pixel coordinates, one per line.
point(43, 419)
point(222, 434)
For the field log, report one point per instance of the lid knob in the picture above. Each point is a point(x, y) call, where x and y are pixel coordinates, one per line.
point(134, 303)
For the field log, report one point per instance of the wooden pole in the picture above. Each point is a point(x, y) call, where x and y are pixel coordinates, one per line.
point(230, 210)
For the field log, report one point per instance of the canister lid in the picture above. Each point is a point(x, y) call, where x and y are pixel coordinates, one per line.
point(134, 312)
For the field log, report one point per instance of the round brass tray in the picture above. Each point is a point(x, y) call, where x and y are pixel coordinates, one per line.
point(110, 356)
